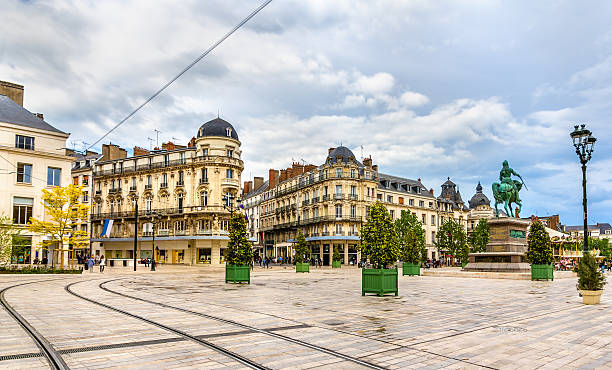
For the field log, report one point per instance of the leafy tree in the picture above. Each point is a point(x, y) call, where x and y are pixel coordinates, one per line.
point(239, 249)
point(8, 233)
point(302, 250)
point(379, 238)
point(604, 248)
point(411, 238)
point(336, 256)
point(539, 250)
point(65, 212)
point(463, 253)
point(480, 237)
point(451, 238)
point(589, 274)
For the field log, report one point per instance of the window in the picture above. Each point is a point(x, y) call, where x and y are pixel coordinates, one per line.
point(421, 203)
point(338, 229)
point(119, 184)
point(423, 219)
point(166, 160)
point(392, 214)
point(24, 173)
point(134, 183)
point(229, 174)
point(389, 198)
point(205, 152)
point(148, 204)
point(22, 210)
point(410, 202)
point(433, 236)
point(85, 180)
point(24, 142)
point(179, 225)
point(149, 180)
point(85, 197)
point(228, 132)
point(203, 198)
point(180, 202)
point(75, 180)
point(339, 189)
point(353, 211)
point(325, 191)
point(53, 176)
point(353, 191)
point(180, 177)
point(230, 153)
point(113, 185)
point(338, 211)
point(182, 157)
point(164, 180)
point(433, 220)
point(224, 225)
point(352, 173)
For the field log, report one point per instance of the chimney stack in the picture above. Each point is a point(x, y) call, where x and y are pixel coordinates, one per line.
point(431, 191)
point(245, 189)
point(375, 167)
point(13, 91)
point(367, 162)
point(283, 176)
point(111, 152)
point(330, 150)
point(257, 182)
point(137, 151)
point(272, 175)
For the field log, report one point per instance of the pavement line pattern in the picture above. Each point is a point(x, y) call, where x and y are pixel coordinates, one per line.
point(54, 358)
point(243, 360)
point(248, 327)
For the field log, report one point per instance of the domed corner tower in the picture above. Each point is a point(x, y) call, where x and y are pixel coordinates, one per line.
point(218, 150)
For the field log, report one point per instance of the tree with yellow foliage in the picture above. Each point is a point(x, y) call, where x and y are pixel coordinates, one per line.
point(65, 212)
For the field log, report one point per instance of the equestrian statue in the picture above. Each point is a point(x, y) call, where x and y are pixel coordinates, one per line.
point(507, 190)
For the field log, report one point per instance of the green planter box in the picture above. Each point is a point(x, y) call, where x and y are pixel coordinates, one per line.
point(302, 267)
point(237, 274)
point(336, 264)
point(379, 281)
point(411, 269)
point(542, 272)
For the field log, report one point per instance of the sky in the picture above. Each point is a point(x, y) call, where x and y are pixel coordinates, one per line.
point(428, 89)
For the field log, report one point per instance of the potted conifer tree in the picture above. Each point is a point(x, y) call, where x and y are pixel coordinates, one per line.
point(539, 252)
point(302, 254)
point(379, 243)
point(411, 239)
point(239, 253)
point(336, 262)
point(590, 280)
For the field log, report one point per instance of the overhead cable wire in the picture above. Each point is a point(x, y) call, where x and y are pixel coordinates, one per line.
point(8, 172)
point(253, 13)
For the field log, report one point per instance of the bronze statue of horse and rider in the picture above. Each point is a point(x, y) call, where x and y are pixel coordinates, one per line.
point(507, 190)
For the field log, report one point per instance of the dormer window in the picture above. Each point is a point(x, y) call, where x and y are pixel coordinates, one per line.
point(228, 132)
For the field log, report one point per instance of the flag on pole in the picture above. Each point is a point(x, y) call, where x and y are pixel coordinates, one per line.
point(106, 230)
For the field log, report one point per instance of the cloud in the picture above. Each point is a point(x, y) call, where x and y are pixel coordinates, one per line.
point(413, 99)
point(376, 84)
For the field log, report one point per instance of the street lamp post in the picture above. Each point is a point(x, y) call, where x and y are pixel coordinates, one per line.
point(154, 217)
point(584, 143)
point(228, 203)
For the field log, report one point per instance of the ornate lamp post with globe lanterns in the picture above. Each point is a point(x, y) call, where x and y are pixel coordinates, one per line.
point(584, 143)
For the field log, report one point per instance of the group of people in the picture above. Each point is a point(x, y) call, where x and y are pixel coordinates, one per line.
point(570, 265)
point(89, 262)
point(44, 261)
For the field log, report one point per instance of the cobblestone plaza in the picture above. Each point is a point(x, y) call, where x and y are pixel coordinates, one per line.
point(289, 320)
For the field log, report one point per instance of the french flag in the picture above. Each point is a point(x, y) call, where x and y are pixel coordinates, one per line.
point(106, 230)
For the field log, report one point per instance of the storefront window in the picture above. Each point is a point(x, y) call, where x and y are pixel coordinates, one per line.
point(22, 250)
point(222, 255)
point(204, 255)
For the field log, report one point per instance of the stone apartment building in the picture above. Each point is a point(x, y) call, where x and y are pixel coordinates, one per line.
point(187, 192)
point(33, 157)
point(329, 204)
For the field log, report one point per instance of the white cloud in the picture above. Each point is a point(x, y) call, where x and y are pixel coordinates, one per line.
point(376, 84)
point(413, 99)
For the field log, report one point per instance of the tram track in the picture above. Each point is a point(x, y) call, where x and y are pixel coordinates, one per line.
point(247, 327)
point(53, 357)
point(236, 357)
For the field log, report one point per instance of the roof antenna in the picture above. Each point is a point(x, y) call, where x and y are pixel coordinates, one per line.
point(150, 142)
point(362, 153)
point(217, 112)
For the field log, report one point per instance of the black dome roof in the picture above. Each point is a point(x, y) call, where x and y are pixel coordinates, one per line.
point(479, 198)
point(345, 153)
point(217, 127)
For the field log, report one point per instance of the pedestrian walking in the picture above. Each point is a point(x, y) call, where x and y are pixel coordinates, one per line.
point(102, 263)
point(90, 264)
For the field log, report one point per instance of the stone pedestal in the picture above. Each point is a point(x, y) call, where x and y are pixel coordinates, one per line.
point(506, 248)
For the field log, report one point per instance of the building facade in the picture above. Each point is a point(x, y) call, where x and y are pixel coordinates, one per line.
point(33, 156)
point(184, 197)
point(329, 204)
point(251, 200)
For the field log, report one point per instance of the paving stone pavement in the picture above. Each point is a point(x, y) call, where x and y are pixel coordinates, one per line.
point(435, 322)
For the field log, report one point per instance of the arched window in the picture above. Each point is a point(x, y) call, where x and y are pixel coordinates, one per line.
point(203, 198)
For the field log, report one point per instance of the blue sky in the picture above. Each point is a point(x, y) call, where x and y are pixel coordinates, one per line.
point(429, 89)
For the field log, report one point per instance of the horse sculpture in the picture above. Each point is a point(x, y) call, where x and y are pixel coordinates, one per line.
point(506, 194)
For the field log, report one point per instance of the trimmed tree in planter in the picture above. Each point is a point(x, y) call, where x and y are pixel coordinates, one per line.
point(302, 254)
point(451, 239)
point(539, 252)
point(336, 261)
point(239, 253)
point(379, 243)
point(590, 280)
point(411, 239)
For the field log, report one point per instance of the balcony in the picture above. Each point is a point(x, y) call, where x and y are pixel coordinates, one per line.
point(204, 232)
point(315, 200)
point(230, 182)
point(98, 192)
point(204, 181)
point(163, 232)
point(114, 190)
point(338, 196)
point(180, 232)
point(180, 183)
point(305, 202)
point(326, 197)
point(148, 187)
point(163, 185)
point(147, 233)
point(132, 188)
point(353, 197)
